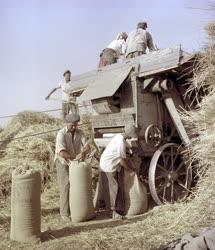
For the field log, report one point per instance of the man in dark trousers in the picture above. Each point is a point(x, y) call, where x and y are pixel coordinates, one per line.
point(138, 41)
point(114, 50)
point(112, 163)
point(71, 144)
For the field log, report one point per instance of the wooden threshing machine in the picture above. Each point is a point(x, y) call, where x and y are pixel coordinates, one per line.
point(147, 91)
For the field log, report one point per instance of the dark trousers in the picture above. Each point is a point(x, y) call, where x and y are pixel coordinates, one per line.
point(63, 183)
point(111, 190)
point(107, 57)
point(69, 108)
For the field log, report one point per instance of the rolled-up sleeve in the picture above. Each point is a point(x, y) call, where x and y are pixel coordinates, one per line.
point(60, 143)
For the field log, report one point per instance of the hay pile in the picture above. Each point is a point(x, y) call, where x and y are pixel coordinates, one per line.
point(37, 150)
point(201, 122)
point(199, 212)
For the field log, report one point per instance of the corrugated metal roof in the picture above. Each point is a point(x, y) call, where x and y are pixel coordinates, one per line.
point(106, 83)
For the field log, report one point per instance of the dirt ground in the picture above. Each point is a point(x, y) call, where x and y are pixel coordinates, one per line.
point(139, 232)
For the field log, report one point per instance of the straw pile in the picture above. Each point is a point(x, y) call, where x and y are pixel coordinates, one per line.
point(199, 212)
point(37, 150)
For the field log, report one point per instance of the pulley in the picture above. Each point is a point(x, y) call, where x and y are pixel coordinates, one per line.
point(153, 135)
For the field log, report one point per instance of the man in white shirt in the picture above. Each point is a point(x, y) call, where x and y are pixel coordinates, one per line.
point(112, 164)
point(113, 51)
point(138, 41)
point(119, 44)
point(68, 100)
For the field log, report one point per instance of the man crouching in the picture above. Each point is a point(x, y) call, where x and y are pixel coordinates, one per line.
point(112, 163)
point(71, 144)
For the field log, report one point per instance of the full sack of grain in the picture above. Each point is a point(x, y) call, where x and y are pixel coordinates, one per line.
point(136, 201)
point(81, 194)
point(25, 205)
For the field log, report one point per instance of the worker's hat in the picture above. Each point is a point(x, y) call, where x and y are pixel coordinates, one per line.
point(142, 25)
point(130, 130)
point(67, 72)
point(71, 118)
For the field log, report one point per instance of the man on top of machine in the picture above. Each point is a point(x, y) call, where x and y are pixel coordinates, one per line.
point(68, 100)
point(113, 161)
point(114, 50)
point(138, 41)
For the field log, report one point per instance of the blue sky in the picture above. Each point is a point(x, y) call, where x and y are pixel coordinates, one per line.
point(40, 39)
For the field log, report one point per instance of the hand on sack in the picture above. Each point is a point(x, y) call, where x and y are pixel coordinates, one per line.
point(79, 157)
point(131, 172)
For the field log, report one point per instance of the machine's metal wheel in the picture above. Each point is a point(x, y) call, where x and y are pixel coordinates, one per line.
point(153, 135)
point(169, 178)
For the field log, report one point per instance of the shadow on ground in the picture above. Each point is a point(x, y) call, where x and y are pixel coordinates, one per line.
point(4, 220)
point(98, 223)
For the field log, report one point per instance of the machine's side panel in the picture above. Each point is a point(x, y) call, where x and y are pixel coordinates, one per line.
point(149, 114)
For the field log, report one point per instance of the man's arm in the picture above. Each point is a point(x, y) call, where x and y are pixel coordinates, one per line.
point(64, 154)
point(126, 164)
point(123, 48)
point(126, 44)
point(61, 149)
point(150, 43)
point(53, 90)
point(85, 148)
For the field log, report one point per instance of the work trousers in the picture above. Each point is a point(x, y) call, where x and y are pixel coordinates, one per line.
point(69, 108)
point(111, 190)
point(135, 54)
point(63, 183)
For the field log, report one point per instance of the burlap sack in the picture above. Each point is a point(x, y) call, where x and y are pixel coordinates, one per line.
point(135, 195)
point(81, 195)
point(25, 205)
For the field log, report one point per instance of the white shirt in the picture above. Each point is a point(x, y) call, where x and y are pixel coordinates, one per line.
point(65, 141)
point(118, 46)
point(110, 158)
point(139, 40)
point(65, 86)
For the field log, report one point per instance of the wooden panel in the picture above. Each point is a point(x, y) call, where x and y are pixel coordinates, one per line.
point(105, 106)
point(106, 83)
point(111, 120)
point(126, 93)
point(158, 61)
point(148, 113)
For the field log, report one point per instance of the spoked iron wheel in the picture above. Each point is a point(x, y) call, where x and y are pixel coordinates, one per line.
point(169, 178)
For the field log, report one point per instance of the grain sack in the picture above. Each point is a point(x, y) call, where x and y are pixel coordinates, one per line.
point(25, 205)
point(135, 195)
point(102, 195)
point(81, 194)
